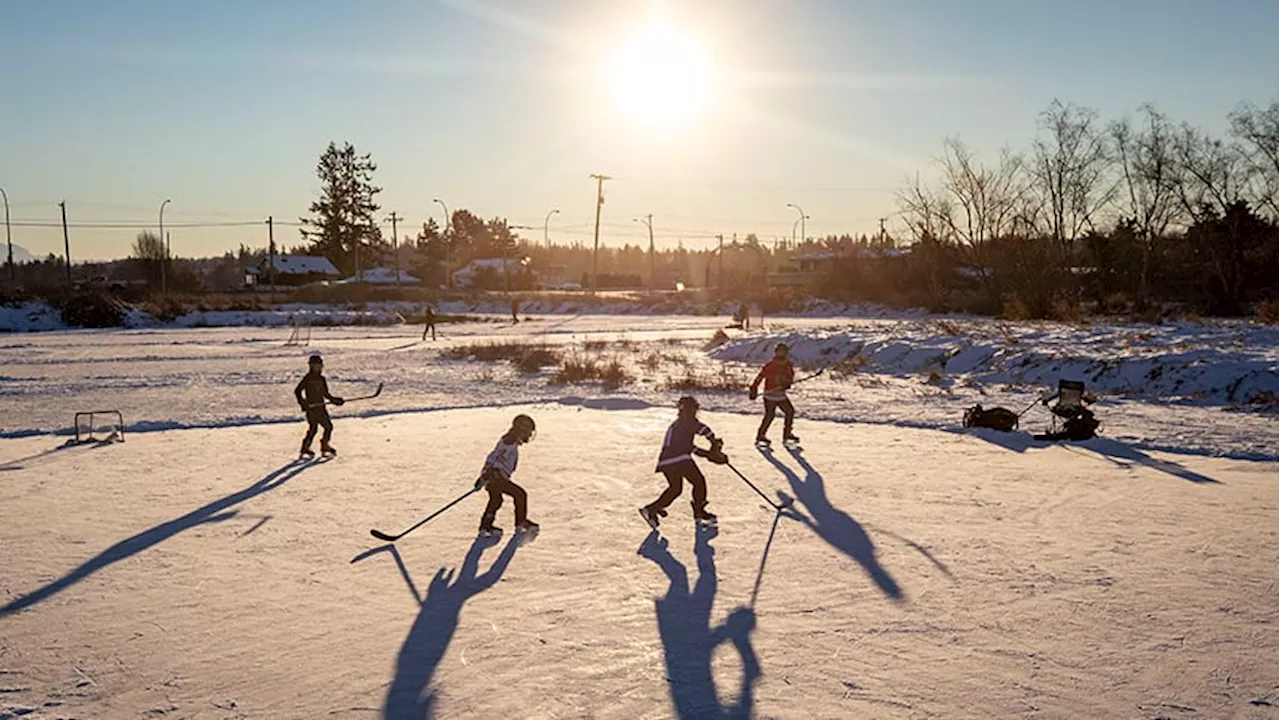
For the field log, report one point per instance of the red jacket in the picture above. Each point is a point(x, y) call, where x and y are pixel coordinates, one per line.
point(777, 375)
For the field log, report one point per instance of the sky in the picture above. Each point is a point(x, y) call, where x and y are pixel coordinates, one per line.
point(506, 107)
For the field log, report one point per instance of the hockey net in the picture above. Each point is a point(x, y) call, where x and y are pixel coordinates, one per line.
point(108, 422)
point(300, 334)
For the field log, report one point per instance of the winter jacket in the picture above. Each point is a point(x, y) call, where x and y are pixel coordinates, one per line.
point(778, 376)
point(677, 446)
point(313, 390)
point(504, 457)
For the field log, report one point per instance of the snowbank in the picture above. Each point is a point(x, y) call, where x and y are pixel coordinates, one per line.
point(37, 315)
point(1231, 364)
point(30, 316)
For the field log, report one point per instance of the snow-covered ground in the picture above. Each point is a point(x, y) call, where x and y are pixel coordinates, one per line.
point(926, 571)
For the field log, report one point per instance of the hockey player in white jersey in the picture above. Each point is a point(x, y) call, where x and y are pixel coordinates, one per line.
point(499, 466)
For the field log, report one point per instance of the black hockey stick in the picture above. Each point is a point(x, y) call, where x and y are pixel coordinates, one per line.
point(392, 538)
point(809, 377)
point(767, 499)
point(375, 394)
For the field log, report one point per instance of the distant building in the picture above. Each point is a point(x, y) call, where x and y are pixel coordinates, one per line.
point(469, 274)
point(292, 270)
point(381, 276)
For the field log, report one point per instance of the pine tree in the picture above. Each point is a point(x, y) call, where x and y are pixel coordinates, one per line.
point(342, 227)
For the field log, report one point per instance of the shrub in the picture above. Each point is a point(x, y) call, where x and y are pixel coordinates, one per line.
point(164, 307)
point(93, 309)
point(716, 340)
point(577, 368)
point(1266, 312)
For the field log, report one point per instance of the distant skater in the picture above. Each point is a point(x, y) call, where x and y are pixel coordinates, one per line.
point(515, 310)
point(430, 315)
point(311, 393)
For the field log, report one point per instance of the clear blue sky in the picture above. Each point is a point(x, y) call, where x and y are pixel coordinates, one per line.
point(500, 106)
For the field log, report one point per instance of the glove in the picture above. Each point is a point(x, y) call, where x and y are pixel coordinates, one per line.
point(1045, 402)
point(303, 406)
point(338, 401)
point(752, 393)
point(716, 453)
point(482, 480)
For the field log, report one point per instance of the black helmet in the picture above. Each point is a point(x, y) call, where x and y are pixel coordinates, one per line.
point(315, 359)
point(687, 405)
point(525, 425)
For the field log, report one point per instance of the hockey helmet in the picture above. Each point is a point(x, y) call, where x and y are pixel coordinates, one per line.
point(525, 426)
point(315, 359)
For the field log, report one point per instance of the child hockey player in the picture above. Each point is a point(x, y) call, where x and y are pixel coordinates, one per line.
point(777, 374)
point(675, 461)
point(311, 393)
point(496, 476)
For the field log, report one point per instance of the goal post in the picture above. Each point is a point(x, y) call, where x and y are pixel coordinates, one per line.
point(86, 424)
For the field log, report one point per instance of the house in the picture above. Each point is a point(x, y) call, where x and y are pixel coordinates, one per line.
point(293, 270)
point(474, 272)
point(382, 276)
point(803, 269)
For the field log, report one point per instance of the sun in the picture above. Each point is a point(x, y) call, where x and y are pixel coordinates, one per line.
point(661, 78)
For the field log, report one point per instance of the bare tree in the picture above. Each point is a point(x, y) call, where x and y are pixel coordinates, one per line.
point(1255, 131)
point(1211, 173)
point(1070, 171)
point(149, 253)
point(979, 203)
point(1148, 196)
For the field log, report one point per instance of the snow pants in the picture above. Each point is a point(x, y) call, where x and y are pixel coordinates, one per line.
point(497, 487)
point(318, 417)
point(676, 475)
point(771, 407)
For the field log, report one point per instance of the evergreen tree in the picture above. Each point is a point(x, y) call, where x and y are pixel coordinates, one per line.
point(342, 227)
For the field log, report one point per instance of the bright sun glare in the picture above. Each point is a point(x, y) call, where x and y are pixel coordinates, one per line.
point(661, 78)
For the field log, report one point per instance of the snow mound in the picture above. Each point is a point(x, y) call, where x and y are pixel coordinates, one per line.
point(1224, 364)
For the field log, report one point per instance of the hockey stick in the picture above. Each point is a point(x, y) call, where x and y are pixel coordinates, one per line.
point(767, 499)
point(392, 538)
point(375, 394)
point(808, 377)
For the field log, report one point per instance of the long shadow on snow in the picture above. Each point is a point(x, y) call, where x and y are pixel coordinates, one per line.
point(832, 524)
point(1111, 449)
point(409, 695)
point(213, 512)
point(688, 640)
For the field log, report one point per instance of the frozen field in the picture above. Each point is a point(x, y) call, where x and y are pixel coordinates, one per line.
point(925, 571)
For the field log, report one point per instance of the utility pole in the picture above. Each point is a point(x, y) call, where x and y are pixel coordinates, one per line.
point(721, 252)
point(66, 242)
point(164, 250)
point(13, 278)
point(648, 222)
point(595, 252)
point(448, 243)
point(271, 251)
point(394, 247)
point(546, 225)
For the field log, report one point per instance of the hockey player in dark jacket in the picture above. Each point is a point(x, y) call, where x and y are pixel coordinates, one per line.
point(311, 393)
point(675, 461)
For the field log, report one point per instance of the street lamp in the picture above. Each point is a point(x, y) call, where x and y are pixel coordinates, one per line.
point(802, 218)
point(164, 251)
point(13, 279)
point(545, 225)
point(647, 221)
point(448, 226)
